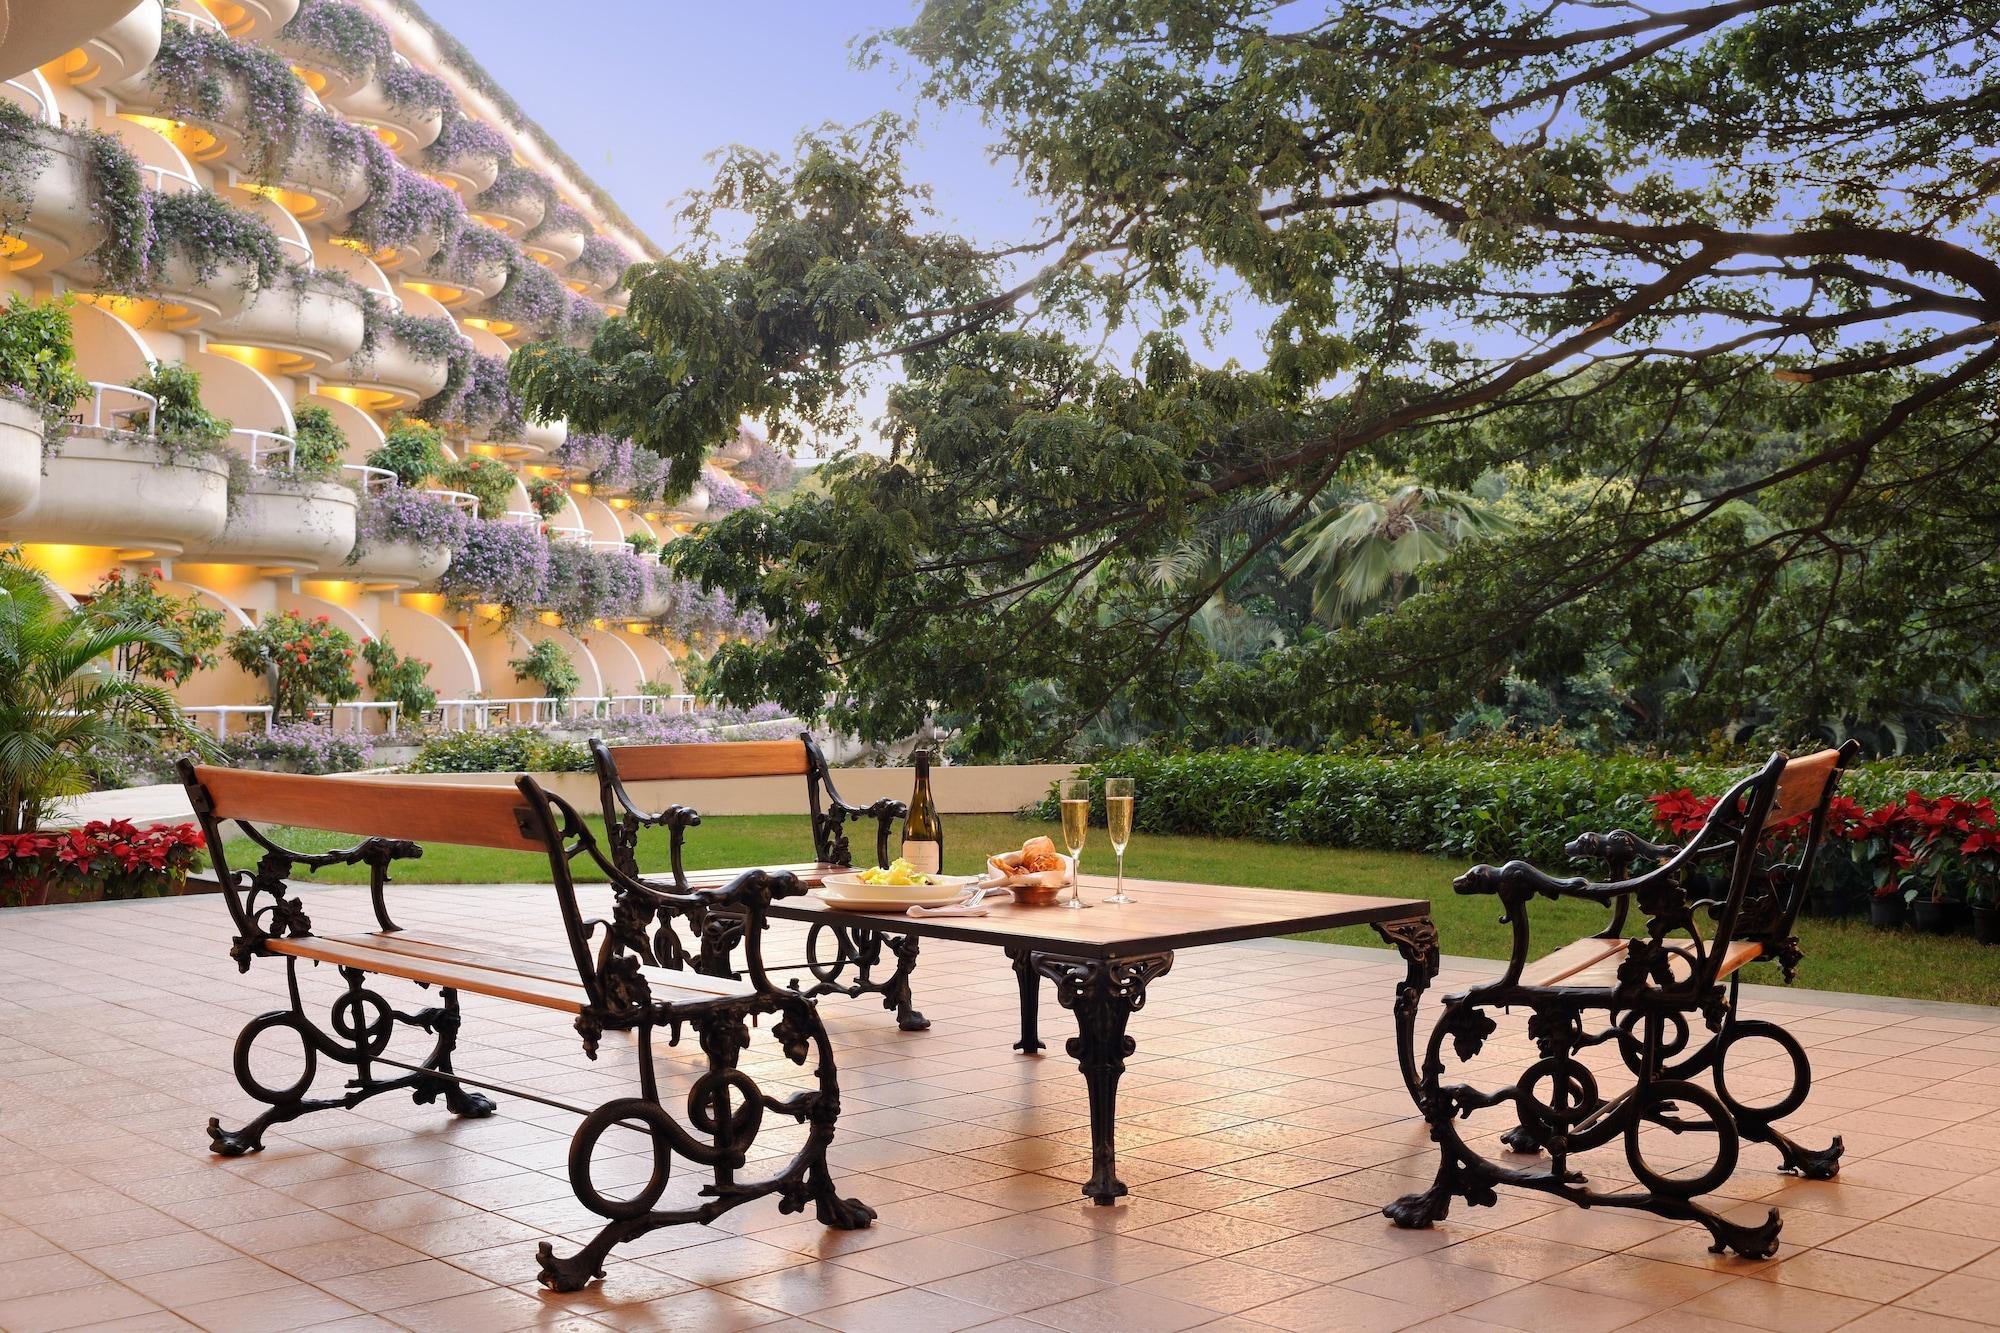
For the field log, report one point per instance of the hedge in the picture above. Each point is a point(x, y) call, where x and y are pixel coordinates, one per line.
point(1463, 805)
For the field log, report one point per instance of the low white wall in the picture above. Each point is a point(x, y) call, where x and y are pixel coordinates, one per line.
point(969, 790)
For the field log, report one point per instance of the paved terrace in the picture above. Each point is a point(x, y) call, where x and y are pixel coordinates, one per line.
point(1264, 1125)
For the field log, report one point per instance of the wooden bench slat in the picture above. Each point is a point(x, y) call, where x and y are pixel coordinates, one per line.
point(810, 874)
point(674, 980)
point(681, 762)
point(1595, 962)
point(374, 807)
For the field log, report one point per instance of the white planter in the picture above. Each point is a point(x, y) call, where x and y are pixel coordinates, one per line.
point(20, 456)
point(253, 18)
point(407, 131)
point(312, 325)
point(50, 216)
point(392, 368)
point(304, 525)
point(516, 217)
point(339, 187)
point(228, 290)
point(115, 491)
point(468, 173)
point(563, 246)
point(318, 69)
point(403, 563)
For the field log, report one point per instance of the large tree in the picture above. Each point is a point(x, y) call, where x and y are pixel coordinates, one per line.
point(1588, 236)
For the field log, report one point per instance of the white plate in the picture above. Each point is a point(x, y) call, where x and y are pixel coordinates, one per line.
point(850, 891)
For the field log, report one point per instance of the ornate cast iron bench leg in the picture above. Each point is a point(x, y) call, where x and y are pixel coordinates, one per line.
point(1030, 983)
point(1103, 994)
point(362, 1023)
point(860, 950)
point(725, 1109)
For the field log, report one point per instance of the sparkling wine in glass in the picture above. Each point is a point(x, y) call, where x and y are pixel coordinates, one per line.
point(1118, 819)
point(1074, 796)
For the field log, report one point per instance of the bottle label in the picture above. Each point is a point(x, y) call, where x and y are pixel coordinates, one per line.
point(923, 855)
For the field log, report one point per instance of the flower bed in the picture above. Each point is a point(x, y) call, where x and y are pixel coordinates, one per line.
point(103, 859)
point(302, 747)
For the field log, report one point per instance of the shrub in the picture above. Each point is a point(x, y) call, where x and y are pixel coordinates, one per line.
point(120, 598)
point(643, 542)
point(549, 666)
point(477, 399)
point(38, 360)
point(412, 450)
point(305, 662)
point(417, 517)
point(184, 425)
point(336, 142)
point(603, 258)
point(104, 859)
point(515, 183)
point(320, 440)
point(486, 478)
point(393, 677)
point(500, 750)
point(302, 747)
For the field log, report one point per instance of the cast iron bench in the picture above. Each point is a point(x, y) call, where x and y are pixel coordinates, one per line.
point(833, 951)
point(1649, 989)
point(601, 982)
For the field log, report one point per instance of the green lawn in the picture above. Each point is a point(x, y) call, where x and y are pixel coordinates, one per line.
point(1840, 956)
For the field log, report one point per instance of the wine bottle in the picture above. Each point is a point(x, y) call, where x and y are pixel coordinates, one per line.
point(923, 831)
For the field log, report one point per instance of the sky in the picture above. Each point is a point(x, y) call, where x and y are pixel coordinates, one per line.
point(640, 92)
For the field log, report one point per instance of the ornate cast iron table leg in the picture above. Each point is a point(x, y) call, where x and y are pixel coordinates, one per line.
point(1103, 994)
point(1416, 939)
point(1031, 998)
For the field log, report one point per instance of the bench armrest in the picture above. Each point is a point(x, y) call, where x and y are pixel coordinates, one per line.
point(748, 896)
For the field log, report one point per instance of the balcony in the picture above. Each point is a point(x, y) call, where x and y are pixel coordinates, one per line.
point(303, 326)
point(558, 242)
point(397, 564)
point(391, 375)
point(48, 206)
point(123, 50)
point(282, 525)
point(321, 70)
point(467, 171)
point(406, 126)
point(125, 491)
point(20, 456)
point(244, 19)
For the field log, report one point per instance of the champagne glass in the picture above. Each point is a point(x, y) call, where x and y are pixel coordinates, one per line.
point(1074, 794)
point(1118, 819)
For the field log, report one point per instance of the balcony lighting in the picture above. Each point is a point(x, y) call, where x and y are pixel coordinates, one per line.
point(499, 328)
point(430, 603)
point(142, 314)
point(439, 292)
point(311, 78)
point(197, 143)
point(265, 360)
point(296, 202)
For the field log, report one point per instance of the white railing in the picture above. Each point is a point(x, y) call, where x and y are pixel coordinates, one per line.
point(609, 544)
point(159, 176)
point(525, 517)
point(469, 714)
point(99, 389)
point(294, 243)
point(264, 445)
point(374, 480)
point(44, 112)
point(223, 712)
point(581, 535)
point(463, 499)
point(194, 18)
point(649, 705)
point(480, 714)
point(389, 709)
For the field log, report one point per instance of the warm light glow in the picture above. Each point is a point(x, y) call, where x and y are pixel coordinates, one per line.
point(17, 254)
point(312, 78)
point(438, 291)
point(295, 202)
point(549, 618)
point(580, 488)
point(625, 502)
point(368, 400)
point(141, 314)
point(235, 19)
point(382, 132)
point(499, 328)
point(546, 258)
point(341, 592)
point(430, 603)
point(71, 568)
point(267, 360)
point(77, 66)
point(498, 223)
point(197, 143)
point(487, 450)
point(580, 288)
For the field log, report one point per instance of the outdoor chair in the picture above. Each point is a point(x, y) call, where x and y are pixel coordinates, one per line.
point(1725, 900)
point(604, 987)
point(843, 960)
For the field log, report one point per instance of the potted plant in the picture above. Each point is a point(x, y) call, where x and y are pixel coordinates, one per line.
point(99, 861)
point(38, 387)
point(547, 665)
point(1980, 853)
point(1943, 824)
point(1884, 854)
point(486, 479)
point(63, 704)
point(548, 497)
point(412, 450)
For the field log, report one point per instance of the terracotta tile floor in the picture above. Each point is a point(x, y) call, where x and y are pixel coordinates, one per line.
point(1263, 1126)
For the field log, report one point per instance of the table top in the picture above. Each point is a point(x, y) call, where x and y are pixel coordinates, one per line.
point(1168, 915)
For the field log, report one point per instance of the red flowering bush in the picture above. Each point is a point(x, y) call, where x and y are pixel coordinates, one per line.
point(101, 859)
point(305, 661)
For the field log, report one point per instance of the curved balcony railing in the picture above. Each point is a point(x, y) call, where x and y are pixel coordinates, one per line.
point(373, 480)
point(465, 500)
point(196, 19)
point(44, 110)
point(264, 446)
point(156, 179)
point(103, 420)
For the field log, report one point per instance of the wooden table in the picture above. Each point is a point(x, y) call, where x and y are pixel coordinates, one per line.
point(1101, 961)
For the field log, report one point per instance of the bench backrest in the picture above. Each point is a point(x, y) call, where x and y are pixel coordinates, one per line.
point(623, 816)
point(414, 812)
point(1762, 899)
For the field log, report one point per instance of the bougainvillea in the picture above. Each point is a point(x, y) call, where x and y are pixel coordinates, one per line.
point(123, 597)
point(210, 234)
point(406, 205)
point(464, 137)
point(344, 35)
point(548, 497)
point(413, 90)
point(501, 563)
point(202, 74)
point(305, 662)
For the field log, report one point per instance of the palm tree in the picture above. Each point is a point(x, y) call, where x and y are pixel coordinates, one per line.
point(62, 702)
point(1367, 555)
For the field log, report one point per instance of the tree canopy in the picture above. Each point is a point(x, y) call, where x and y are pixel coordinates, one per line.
point(1724, 274)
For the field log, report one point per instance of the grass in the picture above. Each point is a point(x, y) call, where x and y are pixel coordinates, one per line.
point(1840, 955)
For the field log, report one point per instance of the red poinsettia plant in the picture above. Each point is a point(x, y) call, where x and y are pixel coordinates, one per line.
point(102, 859)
